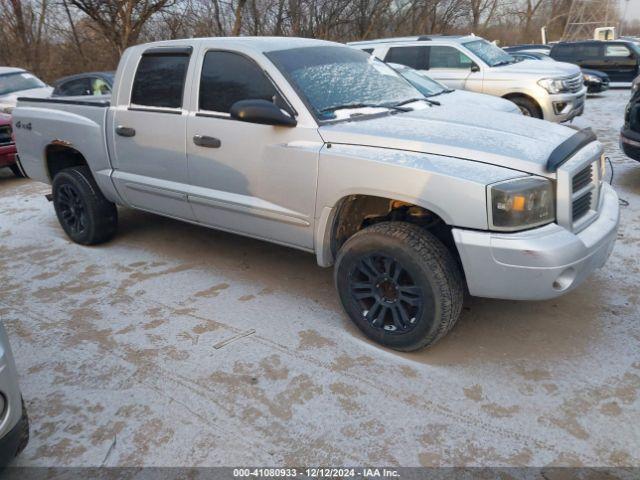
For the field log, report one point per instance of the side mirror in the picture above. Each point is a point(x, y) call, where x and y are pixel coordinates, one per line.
point(261, 111)
point(475, 68)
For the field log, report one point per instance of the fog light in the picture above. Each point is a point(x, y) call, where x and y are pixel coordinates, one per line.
point(559, 107)
point(565, 279)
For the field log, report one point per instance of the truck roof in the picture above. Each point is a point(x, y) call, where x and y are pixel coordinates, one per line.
point(259, 44)
point(5, 70)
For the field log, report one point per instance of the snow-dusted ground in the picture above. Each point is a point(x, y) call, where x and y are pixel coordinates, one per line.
point(116, 347)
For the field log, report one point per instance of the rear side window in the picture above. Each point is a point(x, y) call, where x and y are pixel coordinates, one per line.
point(230, 77)
point(159, 81)
point(414, 57)
point(616, 51)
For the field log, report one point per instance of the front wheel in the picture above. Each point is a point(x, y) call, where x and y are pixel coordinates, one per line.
point(84, 213)
point(399, 284)
point(527, 107)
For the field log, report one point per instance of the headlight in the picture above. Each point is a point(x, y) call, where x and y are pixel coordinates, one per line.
point(521, 203)
point(591, 78)
point(553, 85)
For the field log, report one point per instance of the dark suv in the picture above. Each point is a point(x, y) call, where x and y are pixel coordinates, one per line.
point(630, 134)
point(618, 58)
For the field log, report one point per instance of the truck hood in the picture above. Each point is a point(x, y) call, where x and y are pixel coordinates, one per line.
point(11, 99)
point(507, 140)
point(460, 98)
point(537, 68)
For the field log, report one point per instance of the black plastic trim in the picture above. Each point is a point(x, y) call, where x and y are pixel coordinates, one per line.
point(168, 51)
point(571, 145)
point(87, 103)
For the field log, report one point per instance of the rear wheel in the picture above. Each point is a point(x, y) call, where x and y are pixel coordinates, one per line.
point(399, 284)
point(86, 216)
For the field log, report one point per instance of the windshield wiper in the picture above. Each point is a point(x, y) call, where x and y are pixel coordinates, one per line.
point(364, 105)
point(417, 99)
point(446, 90)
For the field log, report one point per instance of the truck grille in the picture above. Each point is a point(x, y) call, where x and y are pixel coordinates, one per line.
point(5, 135)
point(574, 84)
point(581, 206)
point(578, 188)
point(582, 179)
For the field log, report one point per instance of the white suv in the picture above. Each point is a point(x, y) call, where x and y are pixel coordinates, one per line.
point(550, 90)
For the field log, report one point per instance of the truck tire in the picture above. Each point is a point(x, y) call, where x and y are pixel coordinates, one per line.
point(528, 107)
point(85, 215)
point(399, 284)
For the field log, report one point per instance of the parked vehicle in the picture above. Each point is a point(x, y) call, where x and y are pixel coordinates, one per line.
point(543, 90)
point(530, 48)
point(619, 59)
point(16, 82)
point(630, 133)
point(448, 96)
point(595, 81)
point(14, 422)
point(93, 83)
point(8, 146)
point(409, 200)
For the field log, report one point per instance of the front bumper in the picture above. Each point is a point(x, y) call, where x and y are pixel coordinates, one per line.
point(630, 144)
point(7, 155)
point(596, 87)
point(541, 263)
point(563, 107)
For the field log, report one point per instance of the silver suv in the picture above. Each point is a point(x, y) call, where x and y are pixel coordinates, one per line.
point(553, 91)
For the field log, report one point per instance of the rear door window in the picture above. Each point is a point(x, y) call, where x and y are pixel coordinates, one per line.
point(229, 77)
point(159, 81)
point(79, 86)
point(565, 52)
point(414, 57)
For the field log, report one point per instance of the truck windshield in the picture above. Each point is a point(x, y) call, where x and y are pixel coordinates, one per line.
point(427, 86)
point(332, 78)
point(489, 53)
point(15, 82)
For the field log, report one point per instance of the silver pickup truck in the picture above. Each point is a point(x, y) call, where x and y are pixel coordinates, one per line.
point(321, 147)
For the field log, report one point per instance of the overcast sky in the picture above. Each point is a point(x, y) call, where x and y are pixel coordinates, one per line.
point(633, 9)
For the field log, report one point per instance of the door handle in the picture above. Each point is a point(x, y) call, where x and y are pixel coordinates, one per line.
point(207, 142)
point(125, 131)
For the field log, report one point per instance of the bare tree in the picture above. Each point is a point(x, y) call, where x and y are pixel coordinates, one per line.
point(121, 21)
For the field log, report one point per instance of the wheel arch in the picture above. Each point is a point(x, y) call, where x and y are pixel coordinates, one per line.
point(515, 95)
point(353, 212)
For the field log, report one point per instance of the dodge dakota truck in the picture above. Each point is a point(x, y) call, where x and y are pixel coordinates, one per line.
point(323, 148)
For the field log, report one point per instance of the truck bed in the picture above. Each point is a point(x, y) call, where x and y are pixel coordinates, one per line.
point(42, 125)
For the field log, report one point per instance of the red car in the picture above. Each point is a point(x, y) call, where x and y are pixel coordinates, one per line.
point(8, 146)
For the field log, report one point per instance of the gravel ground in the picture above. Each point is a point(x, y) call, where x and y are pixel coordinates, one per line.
point(123, 361)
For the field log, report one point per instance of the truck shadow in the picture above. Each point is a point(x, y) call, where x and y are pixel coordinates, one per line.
point(488, 331)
